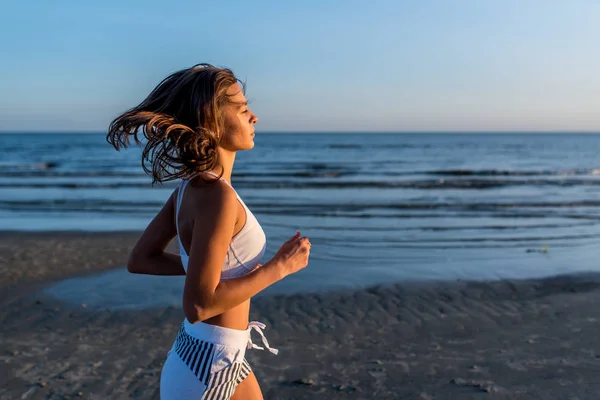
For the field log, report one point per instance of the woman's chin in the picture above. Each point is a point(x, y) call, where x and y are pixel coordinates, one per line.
point(250, 144)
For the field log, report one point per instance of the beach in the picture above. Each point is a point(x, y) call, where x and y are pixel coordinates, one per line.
point(527, 339)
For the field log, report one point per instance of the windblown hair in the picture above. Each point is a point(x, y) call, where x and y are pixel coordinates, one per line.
point(182, 122)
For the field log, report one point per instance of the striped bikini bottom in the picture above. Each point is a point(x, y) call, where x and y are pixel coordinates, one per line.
point(208, 361)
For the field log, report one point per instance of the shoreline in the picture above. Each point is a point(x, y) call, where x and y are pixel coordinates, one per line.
point(44, 257)
point(505, 339)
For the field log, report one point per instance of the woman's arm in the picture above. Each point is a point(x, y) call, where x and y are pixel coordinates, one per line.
point(233, 292)
point(204, 295)
point(148, 255)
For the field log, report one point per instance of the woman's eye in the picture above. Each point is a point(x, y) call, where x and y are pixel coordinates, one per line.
point(245, 111)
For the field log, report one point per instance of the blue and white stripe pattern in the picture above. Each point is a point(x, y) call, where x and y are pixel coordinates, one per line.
point(199, 356)
point(195, 353)
point(221, 385)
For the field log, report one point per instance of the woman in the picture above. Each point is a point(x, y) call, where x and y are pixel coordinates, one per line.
point(194, 122)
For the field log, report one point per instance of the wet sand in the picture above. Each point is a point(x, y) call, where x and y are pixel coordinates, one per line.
point(530, 339)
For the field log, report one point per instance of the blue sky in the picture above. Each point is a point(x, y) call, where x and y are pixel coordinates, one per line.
point(422, 65)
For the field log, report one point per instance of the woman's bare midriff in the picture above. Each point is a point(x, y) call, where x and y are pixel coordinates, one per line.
point(234, 318)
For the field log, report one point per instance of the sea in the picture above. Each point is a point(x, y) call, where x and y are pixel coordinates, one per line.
point(379, 208)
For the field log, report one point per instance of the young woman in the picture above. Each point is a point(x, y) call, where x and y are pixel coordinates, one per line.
point(193, 124)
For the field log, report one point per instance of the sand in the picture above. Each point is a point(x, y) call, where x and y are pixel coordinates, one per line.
point(531, 339)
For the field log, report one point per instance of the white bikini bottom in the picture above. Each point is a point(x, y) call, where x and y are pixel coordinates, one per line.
point(207, 361)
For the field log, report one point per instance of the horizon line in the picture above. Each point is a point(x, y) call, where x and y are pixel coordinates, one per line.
point(512, 131)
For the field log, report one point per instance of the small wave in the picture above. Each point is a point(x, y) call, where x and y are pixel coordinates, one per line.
point(312, 209)
point(383, 209)
point(297, 180)
point(50, 173)
point(454, 228)
point(480, 239)
point(15, 167)
point(497, 172)
point(344, 146)
point(301, 208)
point(84, 185)
point(429, 184)
point(104, 206)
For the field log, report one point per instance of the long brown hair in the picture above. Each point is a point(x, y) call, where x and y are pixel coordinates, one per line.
point(182, 121)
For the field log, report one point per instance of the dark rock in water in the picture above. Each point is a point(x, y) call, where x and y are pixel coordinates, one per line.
point(458, 381)
point(345, 388)
point(484, 386)
point(318, 166)
point(304, 381)
point(46, 165)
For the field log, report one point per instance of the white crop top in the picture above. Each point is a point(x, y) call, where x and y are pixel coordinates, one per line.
point(246, 248)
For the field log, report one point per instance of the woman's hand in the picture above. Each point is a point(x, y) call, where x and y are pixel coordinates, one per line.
point(293, 255)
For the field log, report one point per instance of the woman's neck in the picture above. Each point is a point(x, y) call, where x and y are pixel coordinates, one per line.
point(226, 161)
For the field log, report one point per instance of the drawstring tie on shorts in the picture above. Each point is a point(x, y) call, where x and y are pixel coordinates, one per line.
point(258, 327)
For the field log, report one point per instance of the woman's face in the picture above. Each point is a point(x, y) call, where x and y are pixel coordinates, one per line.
point(239, 122)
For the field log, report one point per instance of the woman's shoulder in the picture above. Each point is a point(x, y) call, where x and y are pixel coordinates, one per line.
point(211, 196)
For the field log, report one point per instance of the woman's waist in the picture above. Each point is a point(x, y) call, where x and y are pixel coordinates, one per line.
point(216, 334)
point(234, 318)
point(229, 328)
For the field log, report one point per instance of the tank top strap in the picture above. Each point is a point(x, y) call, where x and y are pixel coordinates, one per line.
point(180, 191)
point(223, 179)
point(182, 185)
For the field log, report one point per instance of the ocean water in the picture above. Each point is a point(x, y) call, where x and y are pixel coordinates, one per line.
point(377, 207)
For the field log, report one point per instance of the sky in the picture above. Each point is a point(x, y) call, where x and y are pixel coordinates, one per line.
point(377, 66)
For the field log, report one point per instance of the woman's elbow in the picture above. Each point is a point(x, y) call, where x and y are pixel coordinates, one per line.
point(197, 308)
point(134, 264)
point(195, 313)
